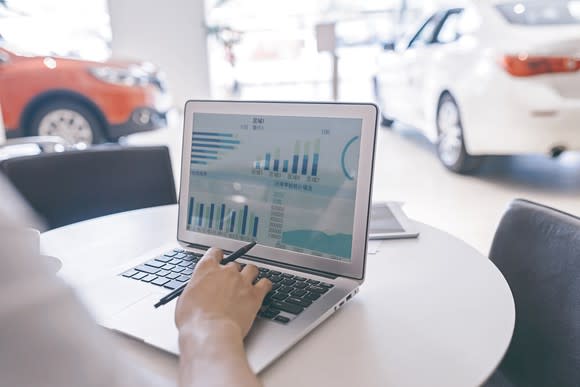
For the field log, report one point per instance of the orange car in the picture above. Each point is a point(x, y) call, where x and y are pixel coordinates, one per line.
point(81, 101)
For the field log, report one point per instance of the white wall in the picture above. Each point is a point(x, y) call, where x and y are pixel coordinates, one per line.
point(169, 33)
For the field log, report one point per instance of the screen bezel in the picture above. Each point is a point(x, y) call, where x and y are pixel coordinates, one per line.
point(365, 111)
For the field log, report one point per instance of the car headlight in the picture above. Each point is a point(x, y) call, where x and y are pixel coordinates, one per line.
point(131, 76)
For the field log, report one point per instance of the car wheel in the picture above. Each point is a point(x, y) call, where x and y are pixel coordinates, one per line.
point(451, 145)
point(70, 120)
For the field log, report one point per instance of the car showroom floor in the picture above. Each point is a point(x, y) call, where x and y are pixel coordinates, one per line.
point(469, 207)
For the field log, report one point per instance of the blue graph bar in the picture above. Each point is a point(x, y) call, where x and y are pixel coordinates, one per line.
point(255, 231)
point(244, 220)
point(315, 164)
point(222, 217)
point(305, 165)
point(198, 162)
point(200, 217)
point(276, 165)
point(295, 164)
point(204, 157)
point(285, 167)
point(216, 140)
point(213, 146)
point(212, 134)
point(211, 152)
point(267, 166)
point(211, 211)
point(190, 210)
point(233, 222)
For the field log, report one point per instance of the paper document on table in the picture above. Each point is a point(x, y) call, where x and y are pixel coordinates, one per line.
point(373, 247)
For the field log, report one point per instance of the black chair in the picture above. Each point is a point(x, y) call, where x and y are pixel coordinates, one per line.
point(537, 249)
point(71, 186)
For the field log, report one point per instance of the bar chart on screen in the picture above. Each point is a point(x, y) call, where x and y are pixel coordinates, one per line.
point(223, 219)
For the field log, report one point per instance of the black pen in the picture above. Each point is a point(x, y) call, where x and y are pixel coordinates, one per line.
point(230, 258)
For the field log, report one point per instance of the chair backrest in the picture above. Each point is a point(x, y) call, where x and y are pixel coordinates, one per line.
point(537, 249)
point(71, 186)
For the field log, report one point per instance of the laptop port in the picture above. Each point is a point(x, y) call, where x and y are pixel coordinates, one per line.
point(349, 297)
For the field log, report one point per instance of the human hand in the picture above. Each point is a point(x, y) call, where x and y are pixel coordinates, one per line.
point(221, 295)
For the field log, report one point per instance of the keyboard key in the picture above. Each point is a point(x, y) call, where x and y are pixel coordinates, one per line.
point(172, 275)
point(155, 263)
point(298, 293)
point(163, 258)
point(130, 273)
point(269, 313)
point(160, 281)
point(325, 285)
point(312, 296)
point(177, 269)
point(175, 261)
point(300, 285)
point(139, 276)
point(149, 278)
point(184, 263)
point(275, 286)
point(313, 282)
point(274, 272)
point(168, 267)
point(289, 308)
point(180, 255)
point(300, 279)
point(173, 284)
point(279, 296)
point(285, 289)
point(178, 250)
point(183, 278)
point(317, 289)
point(282, 319)
point(170, 254)
point(286, 275)
point(276, 278)
point(299, 301)
point(188, 258)
point(147, 269)
point(263, 270)
point(187, 272)
point(288, 282)
point(162, 273)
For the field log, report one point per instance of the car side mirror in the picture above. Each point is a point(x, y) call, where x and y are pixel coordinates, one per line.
point(389, 46)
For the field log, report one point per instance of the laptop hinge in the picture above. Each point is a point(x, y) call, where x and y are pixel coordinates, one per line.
point(275, 263)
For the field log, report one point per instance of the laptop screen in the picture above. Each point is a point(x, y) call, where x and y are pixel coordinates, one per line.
point(285, 182)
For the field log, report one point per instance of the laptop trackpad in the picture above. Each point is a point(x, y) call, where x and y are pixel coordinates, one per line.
point(155, 326)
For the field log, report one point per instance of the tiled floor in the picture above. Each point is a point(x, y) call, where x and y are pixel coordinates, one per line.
point(468, 207)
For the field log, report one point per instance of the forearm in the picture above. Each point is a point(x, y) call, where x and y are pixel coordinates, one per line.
point(213, 355)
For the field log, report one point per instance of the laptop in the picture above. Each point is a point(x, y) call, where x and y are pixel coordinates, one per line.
point(296, 178)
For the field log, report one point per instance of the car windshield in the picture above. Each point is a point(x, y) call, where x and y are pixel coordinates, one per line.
point(533, 13)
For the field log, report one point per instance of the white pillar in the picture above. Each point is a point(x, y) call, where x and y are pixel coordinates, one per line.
point(169, 33)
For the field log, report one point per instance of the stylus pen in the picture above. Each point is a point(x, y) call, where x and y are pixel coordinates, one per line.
point(230, 258)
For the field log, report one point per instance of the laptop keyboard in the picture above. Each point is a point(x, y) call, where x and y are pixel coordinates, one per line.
point(290, 295)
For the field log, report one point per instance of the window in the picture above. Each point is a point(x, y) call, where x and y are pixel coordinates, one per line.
point(556, 12)
point(449, 30)
point(425, 34)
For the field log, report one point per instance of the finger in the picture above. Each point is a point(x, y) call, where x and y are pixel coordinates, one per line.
point(250, 272)
point(213, 255)
point(262, 287)
point(234, 266)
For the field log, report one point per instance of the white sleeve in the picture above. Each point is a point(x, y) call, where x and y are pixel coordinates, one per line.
point(47, 337)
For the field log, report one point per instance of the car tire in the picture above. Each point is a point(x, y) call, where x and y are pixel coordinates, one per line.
point(74, 122)
point(450, 143)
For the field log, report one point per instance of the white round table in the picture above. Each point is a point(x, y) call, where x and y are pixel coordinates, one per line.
point(431, 312)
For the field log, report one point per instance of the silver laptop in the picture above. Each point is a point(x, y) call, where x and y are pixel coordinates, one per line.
point(296, 178)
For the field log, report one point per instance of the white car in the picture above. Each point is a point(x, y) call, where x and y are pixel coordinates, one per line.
point(488, 78)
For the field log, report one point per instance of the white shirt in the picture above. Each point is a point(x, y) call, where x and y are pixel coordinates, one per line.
point(47, 337)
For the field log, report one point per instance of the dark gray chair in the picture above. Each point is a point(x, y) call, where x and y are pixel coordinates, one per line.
point(68, 187)
point(537, 249)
